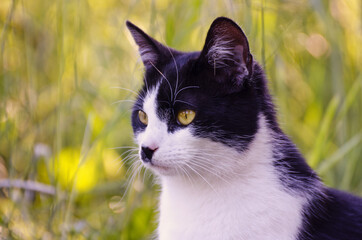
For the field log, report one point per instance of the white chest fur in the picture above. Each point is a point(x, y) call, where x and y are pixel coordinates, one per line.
point(230, 213)
point(251, 204)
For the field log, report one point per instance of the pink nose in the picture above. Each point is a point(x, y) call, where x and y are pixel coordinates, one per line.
point(153, 147)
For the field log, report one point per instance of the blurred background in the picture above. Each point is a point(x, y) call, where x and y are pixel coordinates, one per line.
point(68, 73)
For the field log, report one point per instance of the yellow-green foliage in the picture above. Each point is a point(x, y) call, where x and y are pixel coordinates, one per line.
point(64, 68)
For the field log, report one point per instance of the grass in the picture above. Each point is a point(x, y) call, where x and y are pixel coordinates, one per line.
point(65, 64)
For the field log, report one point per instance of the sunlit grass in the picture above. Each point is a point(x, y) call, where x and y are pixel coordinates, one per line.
point(64, 70)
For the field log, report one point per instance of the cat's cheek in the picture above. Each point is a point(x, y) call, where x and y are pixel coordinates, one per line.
point(172, 153)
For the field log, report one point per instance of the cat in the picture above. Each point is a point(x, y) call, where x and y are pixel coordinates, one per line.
point(206, 125)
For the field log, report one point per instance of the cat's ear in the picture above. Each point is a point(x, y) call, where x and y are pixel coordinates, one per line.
point(226, 50)
point(150, 50)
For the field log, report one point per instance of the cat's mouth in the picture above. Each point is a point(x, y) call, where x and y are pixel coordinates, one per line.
point(159, 168)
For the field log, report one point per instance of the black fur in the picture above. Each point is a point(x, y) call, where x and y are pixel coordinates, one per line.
point(331, 216)
point(228, 100)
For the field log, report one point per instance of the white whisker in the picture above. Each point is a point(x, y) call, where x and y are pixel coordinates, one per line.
point(184, 102)
point(164, 77)
point(182, 89)
point(126, 89)
point(125, 100)
point(135, 168)
point(195, 171)
point(174, 61)
point(134, 147)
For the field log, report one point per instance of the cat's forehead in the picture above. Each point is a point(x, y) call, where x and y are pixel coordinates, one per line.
point(172, 76)
point(173, 68)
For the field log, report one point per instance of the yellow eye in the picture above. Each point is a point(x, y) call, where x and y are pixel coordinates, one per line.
point(143, 117)
point(185, 117)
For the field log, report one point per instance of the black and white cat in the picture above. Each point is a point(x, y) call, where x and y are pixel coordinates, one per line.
point(206, 125)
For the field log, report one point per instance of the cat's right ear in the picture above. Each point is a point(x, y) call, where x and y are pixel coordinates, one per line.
point(226, 52)
point(150, 50)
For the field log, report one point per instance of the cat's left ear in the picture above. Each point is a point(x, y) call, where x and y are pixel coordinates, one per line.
point(151, 51)
point(226, 51)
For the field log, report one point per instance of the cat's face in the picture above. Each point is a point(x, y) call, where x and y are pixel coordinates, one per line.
point(195, 109)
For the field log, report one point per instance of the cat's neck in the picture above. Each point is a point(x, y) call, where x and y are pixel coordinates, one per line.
point(252, 188)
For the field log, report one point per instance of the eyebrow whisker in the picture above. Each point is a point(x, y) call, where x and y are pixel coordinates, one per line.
point(185, 103)
point(169, 84)
point(185, 89)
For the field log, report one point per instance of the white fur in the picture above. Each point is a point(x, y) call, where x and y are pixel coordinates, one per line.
point(156, 130)
point(211, 191)
point(219, 52)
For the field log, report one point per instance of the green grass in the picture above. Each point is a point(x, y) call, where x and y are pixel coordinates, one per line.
point(62, 61)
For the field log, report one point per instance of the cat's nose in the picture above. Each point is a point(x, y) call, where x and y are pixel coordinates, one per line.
point(147, 153)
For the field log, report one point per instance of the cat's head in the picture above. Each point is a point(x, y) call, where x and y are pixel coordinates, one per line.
point(195, 108)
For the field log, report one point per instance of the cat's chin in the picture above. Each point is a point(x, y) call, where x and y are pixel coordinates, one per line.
point(160, 169)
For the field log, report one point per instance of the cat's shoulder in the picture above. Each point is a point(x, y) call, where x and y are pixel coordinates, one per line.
point(339, 218)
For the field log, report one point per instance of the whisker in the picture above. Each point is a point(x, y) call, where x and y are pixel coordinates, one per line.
point(130, 156)
point(184, 102)
point(134, 159)
point(208, 170)
point(144, 175)
point(135, 172)
point(201, 177)
point(128, 152)
point(187, 175)
point(133, 147)
point(197, 152)
point(174, 61)
point(182, 89)
point(126, 160)
point(169, 84)
point(126, 89)
point(125, 100)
